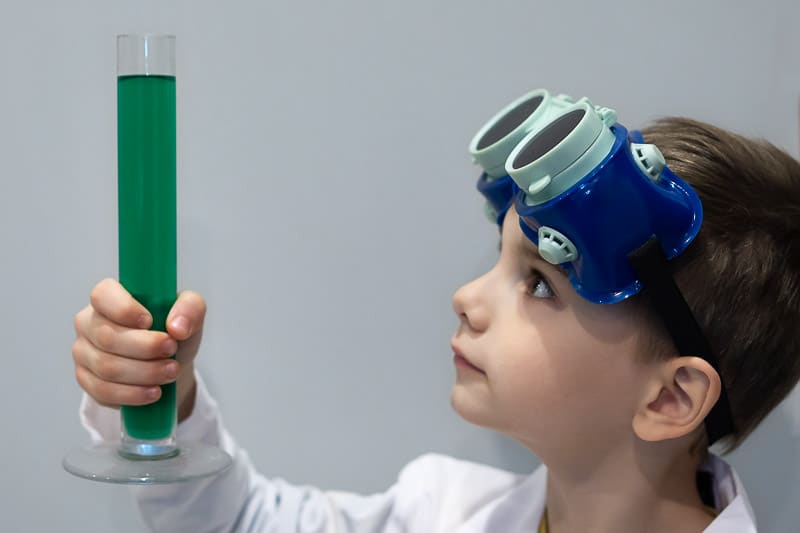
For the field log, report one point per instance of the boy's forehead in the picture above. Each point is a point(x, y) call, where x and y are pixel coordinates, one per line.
point(513, 236)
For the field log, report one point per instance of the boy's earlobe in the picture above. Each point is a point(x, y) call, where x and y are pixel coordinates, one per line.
point(677, 400)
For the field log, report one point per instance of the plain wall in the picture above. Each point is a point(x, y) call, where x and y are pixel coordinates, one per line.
point(327, 211)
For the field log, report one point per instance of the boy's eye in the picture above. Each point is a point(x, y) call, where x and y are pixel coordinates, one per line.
point(538, 286)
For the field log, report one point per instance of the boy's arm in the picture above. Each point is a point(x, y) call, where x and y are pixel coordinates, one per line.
point(241, 499)
point(119, 361)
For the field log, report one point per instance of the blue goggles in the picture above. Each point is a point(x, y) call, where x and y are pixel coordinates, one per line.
point(601, 203)
point(586, 193)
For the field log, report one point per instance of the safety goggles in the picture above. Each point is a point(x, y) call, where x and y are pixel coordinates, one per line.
point(600, 203)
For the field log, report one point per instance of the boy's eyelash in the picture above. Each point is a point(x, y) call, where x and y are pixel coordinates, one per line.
point(535, 277)
point(534, 281)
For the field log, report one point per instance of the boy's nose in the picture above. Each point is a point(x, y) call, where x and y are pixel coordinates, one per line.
point(470, 306)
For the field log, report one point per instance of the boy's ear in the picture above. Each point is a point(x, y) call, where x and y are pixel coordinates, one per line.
point(677, 399)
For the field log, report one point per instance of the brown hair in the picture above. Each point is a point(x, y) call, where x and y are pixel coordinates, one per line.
point(741, 275)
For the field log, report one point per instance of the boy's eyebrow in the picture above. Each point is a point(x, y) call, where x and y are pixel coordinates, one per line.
point(533, 254)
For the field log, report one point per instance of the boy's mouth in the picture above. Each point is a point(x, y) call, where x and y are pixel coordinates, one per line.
point(460, 361)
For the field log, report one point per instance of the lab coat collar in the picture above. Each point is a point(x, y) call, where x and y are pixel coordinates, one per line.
point(523, 506)
point(736, 514)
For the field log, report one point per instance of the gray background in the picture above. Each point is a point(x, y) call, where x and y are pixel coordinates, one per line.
point(327, 210)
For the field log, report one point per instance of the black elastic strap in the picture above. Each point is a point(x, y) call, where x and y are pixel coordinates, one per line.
point(650, 266)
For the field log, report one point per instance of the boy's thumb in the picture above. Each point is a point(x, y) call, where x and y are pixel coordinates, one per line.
point(186, 316)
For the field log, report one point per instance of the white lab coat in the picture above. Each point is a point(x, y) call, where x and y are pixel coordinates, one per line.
point(433, 494)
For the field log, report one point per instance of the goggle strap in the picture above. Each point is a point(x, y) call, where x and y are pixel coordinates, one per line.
point(651, 268)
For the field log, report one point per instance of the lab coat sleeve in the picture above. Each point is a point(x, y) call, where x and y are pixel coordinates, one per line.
point(242, 500)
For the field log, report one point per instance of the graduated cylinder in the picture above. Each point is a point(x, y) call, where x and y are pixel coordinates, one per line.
point(147, 213)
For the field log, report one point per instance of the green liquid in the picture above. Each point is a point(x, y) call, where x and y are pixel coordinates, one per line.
point(147, 221)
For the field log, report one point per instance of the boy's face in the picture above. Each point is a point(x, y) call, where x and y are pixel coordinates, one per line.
point(537, 362)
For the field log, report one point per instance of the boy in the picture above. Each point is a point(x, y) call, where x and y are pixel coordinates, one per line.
point(592, 374)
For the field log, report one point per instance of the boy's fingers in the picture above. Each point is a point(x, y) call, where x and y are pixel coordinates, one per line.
point(111, 300)
point(115, 394)
point(133, 343)
point(107, 336)
point(186, 316)
point(123, 370)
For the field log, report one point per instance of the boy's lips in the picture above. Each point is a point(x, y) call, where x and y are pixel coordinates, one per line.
point(459, 359)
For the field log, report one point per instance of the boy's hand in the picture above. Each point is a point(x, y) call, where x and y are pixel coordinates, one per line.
point(118, 361)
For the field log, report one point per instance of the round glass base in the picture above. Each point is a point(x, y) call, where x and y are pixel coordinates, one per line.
point(108, 464)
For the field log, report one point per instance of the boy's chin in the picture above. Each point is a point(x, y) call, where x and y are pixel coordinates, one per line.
point(469, 407)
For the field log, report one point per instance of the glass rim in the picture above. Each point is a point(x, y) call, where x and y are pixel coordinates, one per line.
point(146, 54)
point(145, 36)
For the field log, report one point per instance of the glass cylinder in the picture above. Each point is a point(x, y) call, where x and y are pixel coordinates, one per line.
point(147, 214)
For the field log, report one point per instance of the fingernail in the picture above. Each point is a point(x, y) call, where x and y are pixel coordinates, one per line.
point(153, 393)
point(169, 347)
point(171, 370)
point(181, 324)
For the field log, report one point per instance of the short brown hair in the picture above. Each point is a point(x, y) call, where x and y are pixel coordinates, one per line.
point(741, 275)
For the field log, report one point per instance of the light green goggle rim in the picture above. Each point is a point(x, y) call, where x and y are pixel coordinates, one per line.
point(494, 142)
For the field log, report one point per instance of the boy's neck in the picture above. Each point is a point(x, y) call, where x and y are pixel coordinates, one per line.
point(644, 487)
